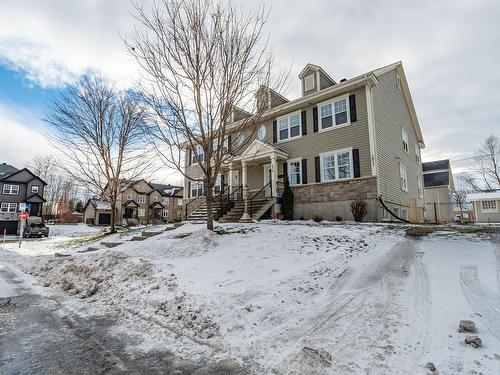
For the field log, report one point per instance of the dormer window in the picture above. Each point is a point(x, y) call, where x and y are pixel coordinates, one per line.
point(309, 83)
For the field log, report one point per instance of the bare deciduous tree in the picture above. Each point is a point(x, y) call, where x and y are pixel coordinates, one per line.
point(203, 62)
point(98, 130)
point(486, 171)
point(59, 187)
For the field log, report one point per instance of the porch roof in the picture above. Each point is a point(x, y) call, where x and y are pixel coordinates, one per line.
point(259, 150)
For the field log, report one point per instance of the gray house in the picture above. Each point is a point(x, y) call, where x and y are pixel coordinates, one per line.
point(18, 186)
point(439, 187)
point(339, 141)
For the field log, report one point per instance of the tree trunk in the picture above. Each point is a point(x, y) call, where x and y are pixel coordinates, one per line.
point(208, 201)
point(113, 213)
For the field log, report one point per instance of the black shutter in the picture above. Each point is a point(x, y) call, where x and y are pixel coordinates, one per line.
point(304, 122)
point(275, 131)
point(304, 171)
point(315, 119)
point(285, 171)
point(317, 168)
point(352, 107)
point(188, 154)
point(355, 162)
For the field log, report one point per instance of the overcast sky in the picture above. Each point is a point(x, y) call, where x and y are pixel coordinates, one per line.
point(449, 49)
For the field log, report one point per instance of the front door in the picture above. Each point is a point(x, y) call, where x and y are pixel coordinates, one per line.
point(267, 179)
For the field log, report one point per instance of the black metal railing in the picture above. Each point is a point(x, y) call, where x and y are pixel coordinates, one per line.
point(261, 195)
point(199, 200)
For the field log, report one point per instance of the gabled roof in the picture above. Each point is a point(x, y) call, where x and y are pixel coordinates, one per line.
point(6, 169)
point(17, 171)
point(310, 66)
point(258, 149)
point(166, 190)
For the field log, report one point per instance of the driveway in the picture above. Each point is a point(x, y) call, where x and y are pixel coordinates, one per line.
point(39, 336)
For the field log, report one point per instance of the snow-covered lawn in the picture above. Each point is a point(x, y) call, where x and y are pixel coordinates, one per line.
point(297, 298)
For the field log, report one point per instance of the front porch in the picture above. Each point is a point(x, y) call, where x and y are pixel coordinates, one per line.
point(256, 169)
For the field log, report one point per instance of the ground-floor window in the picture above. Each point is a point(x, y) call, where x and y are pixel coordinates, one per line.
point(196, 189)
point(8, 207)
point(489, 206)
point(336, 166)
point(294, 172)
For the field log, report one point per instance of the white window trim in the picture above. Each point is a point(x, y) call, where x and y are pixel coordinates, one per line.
point(313, 86)
point(332, 102)
point(296, 160)
point(4, 190)
point(407, 140)
point(8, 205)
point(401, 168)
point(489, 210)
point(349, 150)
point(299, 113)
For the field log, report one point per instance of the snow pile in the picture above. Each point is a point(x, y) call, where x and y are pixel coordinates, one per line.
point(126, 283)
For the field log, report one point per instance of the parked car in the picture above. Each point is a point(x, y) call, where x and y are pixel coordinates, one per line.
point(35, 228)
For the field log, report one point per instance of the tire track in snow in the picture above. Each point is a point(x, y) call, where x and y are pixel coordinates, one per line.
point(357, 325)
point(481, 299)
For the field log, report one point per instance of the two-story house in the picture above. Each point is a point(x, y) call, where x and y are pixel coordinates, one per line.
point(358, 138)
point(139, 202)
point(18, 186)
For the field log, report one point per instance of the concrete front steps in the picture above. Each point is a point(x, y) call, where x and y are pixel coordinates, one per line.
point(259, 208)
point(200, 214)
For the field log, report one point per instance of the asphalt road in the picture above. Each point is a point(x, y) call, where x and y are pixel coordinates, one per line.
point(38, 337)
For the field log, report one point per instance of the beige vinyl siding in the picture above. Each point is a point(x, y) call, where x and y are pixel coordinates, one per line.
point(391, 114)
point(312, 144)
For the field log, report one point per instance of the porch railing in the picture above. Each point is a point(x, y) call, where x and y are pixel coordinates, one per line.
point(261, 195)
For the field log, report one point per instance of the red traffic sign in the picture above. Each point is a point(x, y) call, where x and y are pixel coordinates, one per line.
point(23, 215)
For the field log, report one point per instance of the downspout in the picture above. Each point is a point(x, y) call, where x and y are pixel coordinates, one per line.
point(381, 200)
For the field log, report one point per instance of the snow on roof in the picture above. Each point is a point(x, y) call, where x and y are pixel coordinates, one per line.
point(483, 195)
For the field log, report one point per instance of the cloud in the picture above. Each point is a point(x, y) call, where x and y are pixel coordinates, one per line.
point(447, 48)
point(20, 143)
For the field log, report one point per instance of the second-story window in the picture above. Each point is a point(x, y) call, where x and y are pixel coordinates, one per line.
point(141, 199)
point(35, 189)
point(418, 157)
point(198, 154)
point(404, 137)
point(289, 127)
point(334, 113)
point(9, 189)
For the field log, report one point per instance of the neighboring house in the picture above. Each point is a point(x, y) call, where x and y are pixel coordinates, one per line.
point(438, 189)
point(486, 206)
point(18, 186)
point(139, 202)
point(359, 138)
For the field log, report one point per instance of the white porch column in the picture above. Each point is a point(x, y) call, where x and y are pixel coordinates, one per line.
point(274, 174)
point(244, 173)
point(231, 177)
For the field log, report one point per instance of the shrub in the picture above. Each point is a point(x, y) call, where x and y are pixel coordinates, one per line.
point(287, 205)
point(317, 218)
point(338, 218)
point(359, 209)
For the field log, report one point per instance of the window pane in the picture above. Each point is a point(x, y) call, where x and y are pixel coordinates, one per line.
point(340, 118)
point(295, 131)
point(344, 164)
point(326, 122)
point(326, 110)
point(341, 106)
